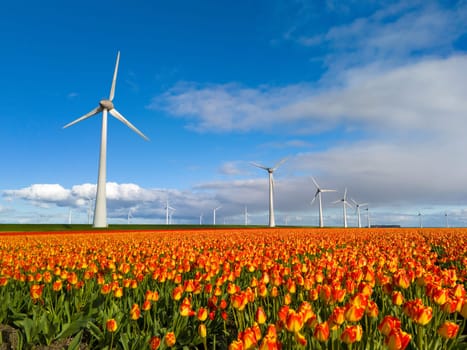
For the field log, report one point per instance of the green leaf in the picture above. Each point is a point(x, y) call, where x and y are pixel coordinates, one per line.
point(125, 340)
point(26, 325)
point(72, 328)
point(76, 341)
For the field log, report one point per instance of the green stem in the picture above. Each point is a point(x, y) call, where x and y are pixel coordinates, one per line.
point(420, 336)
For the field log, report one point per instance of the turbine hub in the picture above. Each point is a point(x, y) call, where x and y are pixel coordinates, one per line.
point(106, 104)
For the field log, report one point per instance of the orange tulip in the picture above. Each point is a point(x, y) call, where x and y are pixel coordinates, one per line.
point(57, 286)
point(352, 334)
point(423, 315)
point(111, 325)
point(260, 315)
point(397, 298)
point(185, 308)
point(146, 305)
point(177, 293)
point(294, 321)
point(397, 339)
point(321, 332)
point(236, 345)
point(372, 309)
point(202, 314)
point(248, 338)
point(154, 343)
point(170, 340)
point(353, 313)
point(36, 291)
point(388, 324)
point(448, 330)
point(337, 317)
point(135, 312)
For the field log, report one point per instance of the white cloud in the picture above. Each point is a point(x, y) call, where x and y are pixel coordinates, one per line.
point(423, 95)
point(40, 193)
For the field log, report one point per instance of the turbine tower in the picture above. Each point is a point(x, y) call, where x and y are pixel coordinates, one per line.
point(344, 204)
point(420, 219)
point(272, 222)
point(105, 106)
point(368, 217)
point(318, 195)
point(357, 208)
point(214, 214)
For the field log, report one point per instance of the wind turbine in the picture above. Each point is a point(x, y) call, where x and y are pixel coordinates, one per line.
point(318, 195)
point(446, 218)
point(105, 106)
point(357, 208)
point(420, 219)
point(368, 216)
point(168, 216)
point(270, 171)
point(344, 204)
point(214, 214)
point(246, 215)
point(130, 215)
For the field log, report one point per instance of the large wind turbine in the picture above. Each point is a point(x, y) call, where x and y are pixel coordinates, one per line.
point(357, 207)
point(344, 204)
point(105, 105)
point(320, 190)
point(270, 171)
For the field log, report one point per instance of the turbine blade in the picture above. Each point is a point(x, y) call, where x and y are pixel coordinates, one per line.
point(345, 193)
point(328, 190)
point(353, 200)
point(259, 166)
point(87, 115)
point(114, 80)
point(120, 117)
point(314, 198)
point(279, 163)
point(335, 202)
point(314, 181)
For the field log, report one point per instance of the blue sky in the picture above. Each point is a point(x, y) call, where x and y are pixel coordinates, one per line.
point(368, 95)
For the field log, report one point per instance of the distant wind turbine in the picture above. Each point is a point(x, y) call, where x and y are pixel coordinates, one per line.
point(246, 215)
point(420, 219)
point(446, 219)
point(130, 215)
point(214, 214)
point(270, 171)
point(318, 195)
point(105, 106)
point(168, 212)
point(69, 217)
point(368, 217)
point(344, 202)
point(357, 208)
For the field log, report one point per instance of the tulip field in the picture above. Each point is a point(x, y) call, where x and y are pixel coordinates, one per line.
point(261, 288)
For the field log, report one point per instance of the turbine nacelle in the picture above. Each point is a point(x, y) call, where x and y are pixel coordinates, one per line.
point(106, 104)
